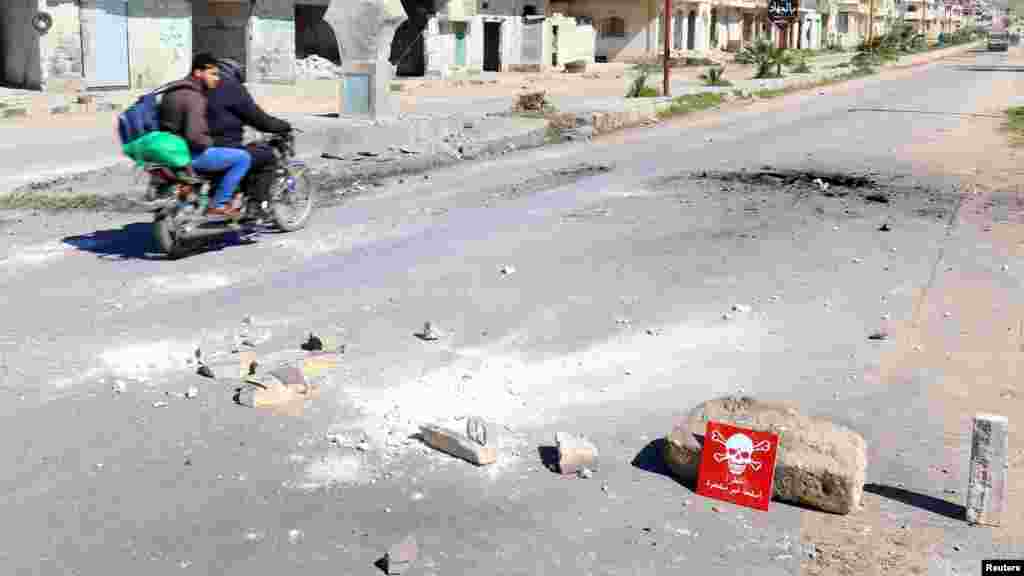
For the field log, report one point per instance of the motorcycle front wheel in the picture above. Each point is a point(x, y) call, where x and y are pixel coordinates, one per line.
point(291, 201)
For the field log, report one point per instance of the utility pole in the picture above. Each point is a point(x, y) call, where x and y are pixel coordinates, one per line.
point(666, 88)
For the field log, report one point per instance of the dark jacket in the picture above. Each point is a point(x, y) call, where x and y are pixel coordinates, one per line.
point(231, 108)
point(183, 112)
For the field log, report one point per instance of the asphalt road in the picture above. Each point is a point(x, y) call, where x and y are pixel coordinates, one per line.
point(611, 323)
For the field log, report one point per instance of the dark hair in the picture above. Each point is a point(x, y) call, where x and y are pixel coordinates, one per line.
point(229, 68)
point(203, 61)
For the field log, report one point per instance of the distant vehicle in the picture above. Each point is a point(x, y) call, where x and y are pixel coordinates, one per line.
point(999, 41)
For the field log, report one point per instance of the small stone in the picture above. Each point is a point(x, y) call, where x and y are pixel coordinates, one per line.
point(947, 314)
point(159, 404)
point(857, 260)
point(192, 392)
point(878, 336)
point(313, 343)
point(884, 227)
point(956, 547)
point(205, 371)
point(585, 473)
point(741, 308)
point(1005, 267)
point(429, 333)
point(835, 228)
point(417, 496)
point(119, 386)
point(506, 270)
point(254, 537)
point(295, 536)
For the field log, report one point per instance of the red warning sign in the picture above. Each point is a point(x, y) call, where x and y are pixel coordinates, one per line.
point(737, 465)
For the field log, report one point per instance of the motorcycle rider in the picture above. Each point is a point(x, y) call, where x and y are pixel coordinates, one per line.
point(183, 111)
point(230, 109)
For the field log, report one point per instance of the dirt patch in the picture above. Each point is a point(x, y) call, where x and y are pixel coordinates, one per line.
point(546, 181)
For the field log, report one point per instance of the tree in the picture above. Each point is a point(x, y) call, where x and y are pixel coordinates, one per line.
point(764, 55)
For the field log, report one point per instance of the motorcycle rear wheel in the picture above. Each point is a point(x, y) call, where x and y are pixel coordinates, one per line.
point(167, 238)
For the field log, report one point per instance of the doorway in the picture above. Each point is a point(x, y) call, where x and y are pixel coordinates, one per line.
point(677, 31)
point(492, 46)
point(108, 62)
point(714, 28)
point(459, 28)
point(691, 29)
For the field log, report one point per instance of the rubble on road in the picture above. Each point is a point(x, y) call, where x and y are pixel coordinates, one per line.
point(401, 556)
point(313, 343)
point(458, 445)
point(574, 453)
point(820, 464)
point(530, 102)
point(429, 333)
point(283, 387)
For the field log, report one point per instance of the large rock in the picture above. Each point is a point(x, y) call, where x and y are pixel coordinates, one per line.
point(819, 463)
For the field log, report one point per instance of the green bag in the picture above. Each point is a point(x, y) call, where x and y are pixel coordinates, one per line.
point(159, 148)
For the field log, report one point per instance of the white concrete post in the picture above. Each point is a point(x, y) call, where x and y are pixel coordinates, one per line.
point(364, 29)
point(986, 489)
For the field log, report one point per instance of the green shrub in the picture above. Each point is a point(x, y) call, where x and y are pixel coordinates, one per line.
point(714, 76)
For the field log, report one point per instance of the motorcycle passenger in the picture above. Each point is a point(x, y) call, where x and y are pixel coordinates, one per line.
point(183, 112)
point(230, 109)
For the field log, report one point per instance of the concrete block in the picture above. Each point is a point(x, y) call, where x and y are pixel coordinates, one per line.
point(458, 445)
point(574, 453)
point(986, 489)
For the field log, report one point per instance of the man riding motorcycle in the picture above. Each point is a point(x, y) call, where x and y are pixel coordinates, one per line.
point(230, 108)
point(183, 111)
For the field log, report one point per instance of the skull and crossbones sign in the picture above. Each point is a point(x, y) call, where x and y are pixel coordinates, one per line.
point(739, 452)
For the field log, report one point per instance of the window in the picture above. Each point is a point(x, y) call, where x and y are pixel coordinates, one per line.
point(843, 23)
point(614, 27)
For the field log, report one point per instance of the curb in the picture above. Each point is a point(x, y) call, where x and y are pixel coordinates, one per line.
point(647, 112)
point(58, 194)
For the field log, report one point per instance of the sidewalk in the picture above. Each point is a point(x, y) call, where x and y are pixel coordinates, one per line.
point(78, 156)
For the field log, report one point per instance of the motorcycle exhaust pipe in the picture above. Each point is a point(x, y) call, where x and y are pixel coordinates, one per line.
point(203, 233)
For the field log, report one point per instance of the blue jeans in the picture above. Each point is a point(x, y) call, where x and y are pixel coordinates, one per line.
point(233, 160)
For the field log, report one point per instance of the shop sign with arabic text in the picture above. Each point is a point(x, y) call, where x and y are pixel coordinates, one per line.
point(780, 11)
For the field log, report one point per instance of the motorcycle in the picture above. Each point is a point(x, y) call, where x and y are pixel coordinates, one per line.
point(181, 221)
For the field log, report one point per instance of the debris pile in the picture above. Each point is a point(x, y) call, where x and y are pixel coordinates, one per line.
point(316, 68)
point(530, 102)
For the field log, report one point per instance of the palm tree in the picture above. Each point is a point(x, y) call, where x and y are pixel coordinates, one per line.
point(764, 55)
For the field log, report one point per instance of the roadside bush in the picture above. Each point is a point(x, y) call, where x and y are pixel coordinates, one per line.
point(639, 88)
point(801, 66)
point(764, 55)
point(715, 76)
